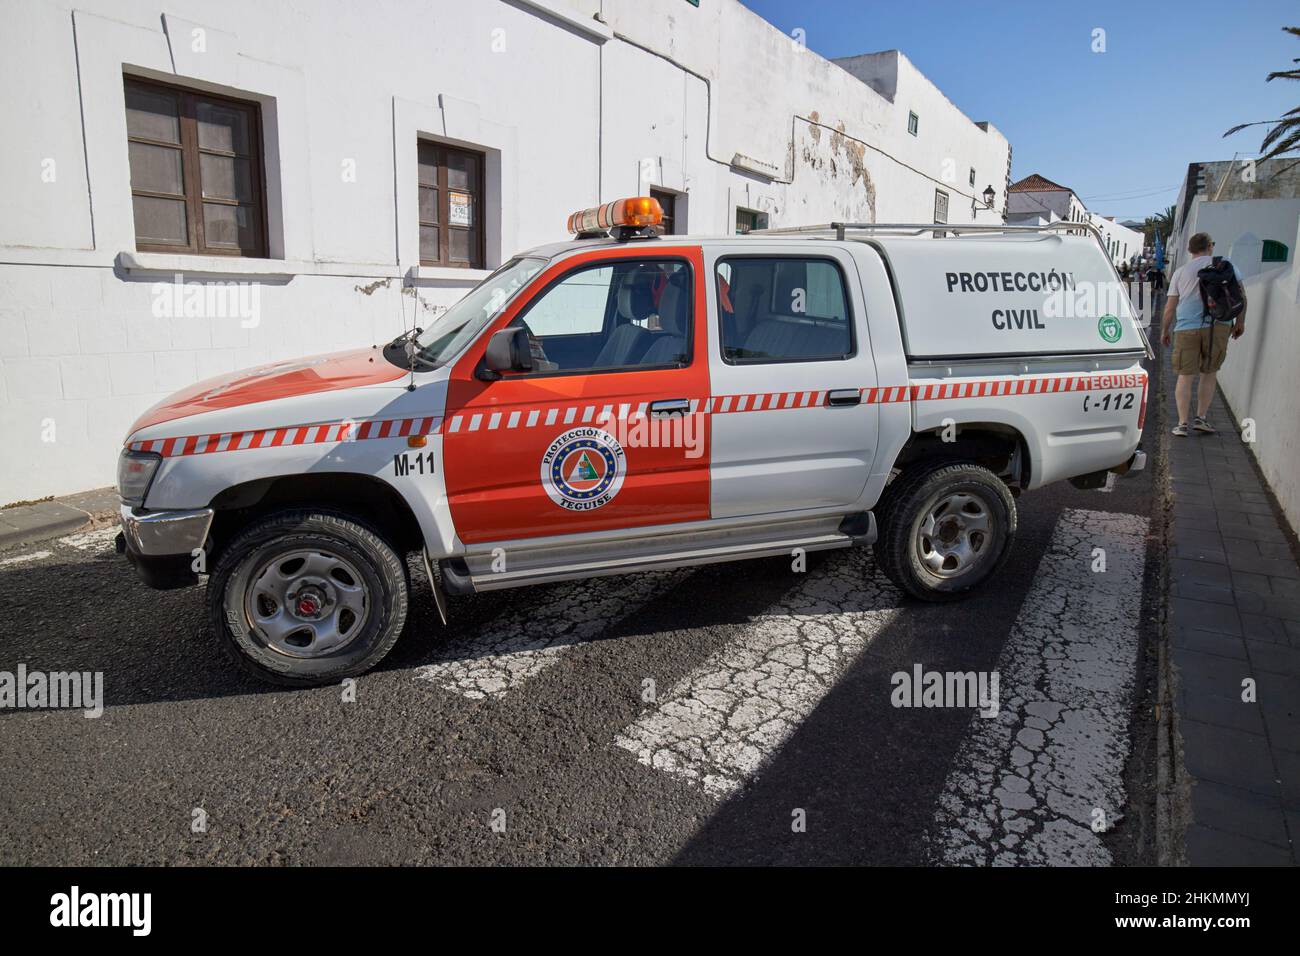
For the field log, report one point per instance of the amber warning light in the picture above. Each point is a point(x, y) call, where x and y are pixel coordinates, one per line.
point(625, 218)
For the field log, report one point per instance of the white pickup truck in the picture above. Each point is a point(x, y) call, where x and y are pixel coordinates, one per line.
point(628, 401)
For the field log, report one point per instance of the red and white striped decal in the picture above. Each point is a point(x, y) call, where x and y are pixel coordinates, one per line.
point(916, 392)
point(348, 430)
point(311, 434)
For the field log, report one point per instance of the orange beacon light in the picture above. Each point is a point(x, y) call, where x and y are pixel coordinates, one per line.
point(625, 218)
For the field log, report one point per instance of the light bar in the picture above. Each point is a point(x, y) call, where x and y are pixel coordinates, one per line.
point(637, 213)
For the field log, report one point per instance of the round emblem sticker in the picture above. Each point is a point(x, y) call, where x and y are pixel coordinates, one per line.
point(1109, 328)
point(583, 469)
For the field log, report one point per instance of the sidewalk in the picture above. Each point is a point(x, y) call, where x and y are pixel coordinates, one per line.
point(46, 519)
point(1234, 614)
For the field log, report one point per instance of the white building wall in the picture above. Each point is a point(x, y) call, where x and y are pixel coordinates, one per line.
point(1121, 242)
point(1062, 202)
point(1239, 228)
point(567, 109)
point(1258, 372)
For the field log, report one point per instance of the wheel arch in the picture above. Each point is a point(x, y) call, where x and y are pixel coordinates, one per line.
point(366, 498)
point(1000, 447)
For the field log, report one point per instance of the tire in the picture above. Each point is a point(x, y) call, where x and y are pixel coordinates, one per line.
point(304, 598)
point(945, 528)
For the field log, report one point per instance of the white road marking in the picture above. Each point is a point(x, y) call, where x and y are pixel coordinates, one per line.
point(513, 648)
point(1024, 786)
point(718, 725)
point(24, 558)
point(97, 540)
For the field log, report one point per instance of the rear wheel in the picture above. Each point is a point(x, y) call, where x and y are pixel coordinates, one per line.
point(945, 529)
point(304, 598)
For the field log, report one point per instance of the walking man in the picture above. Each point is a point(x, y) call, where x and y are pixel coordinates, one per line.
point(1200, 342)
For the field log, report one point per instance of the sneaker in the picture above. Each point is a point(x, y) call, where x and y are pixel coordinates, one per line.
point(1201, 425)
point(1180, 430)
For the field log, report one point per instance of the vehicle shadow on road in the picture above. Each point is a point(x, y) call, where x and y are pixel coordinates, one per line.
point(867, 775)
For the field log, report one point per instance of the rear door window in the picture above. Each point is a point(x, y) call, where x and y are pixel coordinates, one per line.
point(783, 309)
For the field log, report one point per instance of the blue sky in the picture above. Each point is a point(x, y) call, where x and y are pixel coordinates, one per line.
point(1112, 126)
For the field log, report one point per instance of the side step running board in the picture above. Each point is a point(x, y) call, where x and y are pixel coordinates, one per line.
point(572, 564)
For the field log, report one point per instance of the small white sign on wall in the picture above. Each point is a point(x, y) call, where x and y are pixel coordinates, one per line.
point(460, 210)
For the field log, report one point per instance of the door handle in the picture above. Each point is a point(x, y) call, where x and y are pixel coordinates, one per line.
point(670, 406)
point(844, 396)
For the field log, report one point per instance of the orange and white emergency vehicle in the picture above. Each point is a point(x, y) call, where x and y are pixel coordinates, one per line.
point(629, 401)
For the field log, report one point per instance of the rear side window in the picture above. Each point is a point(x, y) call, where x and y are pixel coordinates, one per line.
point(782, 309)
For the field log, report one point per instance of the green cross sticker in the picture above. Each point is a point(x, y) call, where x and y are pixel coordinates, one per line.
point(1109, 328)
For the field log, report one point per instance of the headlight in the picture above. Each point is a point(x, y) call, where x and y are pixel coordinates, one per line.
point(135, 470)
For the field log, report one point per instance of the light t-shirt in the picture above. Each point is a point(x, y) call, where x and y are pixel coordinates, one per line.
point(1186, 284)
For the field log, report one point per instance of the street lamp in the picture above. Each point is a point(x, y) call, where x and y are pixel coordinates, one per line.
point(989, 196)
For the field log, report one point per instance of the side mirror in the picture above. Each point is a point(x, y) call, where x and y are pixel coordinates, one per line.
point(509, 351)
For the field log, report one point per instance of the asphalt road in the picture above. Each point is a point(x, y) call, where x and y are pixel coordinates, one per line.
point(527, 732)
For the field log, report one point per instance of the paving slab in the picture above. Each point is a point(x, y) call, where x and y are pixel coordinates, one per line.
point(1234, 635)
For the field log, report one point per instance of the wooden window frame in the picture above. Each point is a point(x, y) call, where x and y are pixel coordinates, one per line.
point(668, 201)
point(192, 186)
point(913, 123)
point(478, 254)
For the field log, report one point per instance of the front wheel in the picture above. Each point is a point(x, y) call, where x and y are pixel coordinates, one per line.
point(305, 598)
point(945, 529)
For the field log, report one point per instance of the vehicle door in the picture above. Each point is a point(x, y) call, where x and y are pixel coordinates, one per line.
point(794, 403)
point(606, 432)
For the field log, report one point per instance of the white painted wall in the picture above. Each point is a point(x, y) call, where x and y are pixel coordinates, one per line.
point(1259, 374)
point(1120, 241)
point(568, 110)
point(1062, 202)
point(1239, 228)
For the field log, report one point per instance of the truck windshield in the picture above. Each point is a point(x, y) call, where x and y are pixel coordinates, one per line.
point(458, 326)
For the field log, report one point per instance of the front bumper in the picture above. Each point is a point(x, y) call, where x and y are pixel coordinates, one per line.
point(162, 545)
point(166, 532)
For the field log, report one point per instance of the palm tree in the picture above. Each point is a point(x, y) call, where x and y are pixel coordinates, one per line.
point(1284, 137)
point(1162, 223)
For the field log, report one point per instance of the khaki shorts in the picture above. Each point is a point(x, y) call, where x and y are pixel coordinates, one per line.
point(1201, 350)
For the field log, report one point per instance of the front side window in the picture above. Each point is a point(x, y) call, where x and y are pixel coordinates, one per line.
point(631, 313)
point(451, 206)
point(196, 171)
point(459, 325)
point(782, 309)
